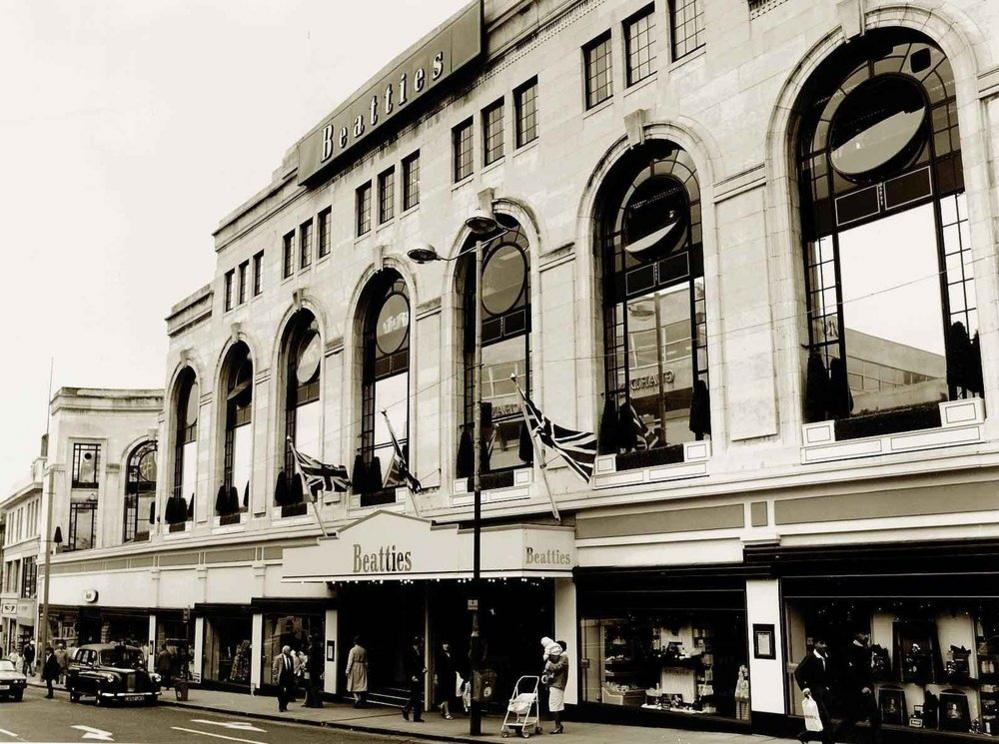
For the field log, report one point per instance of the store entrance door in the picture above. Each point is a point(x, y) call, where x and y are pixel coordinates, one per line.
point(386, 617)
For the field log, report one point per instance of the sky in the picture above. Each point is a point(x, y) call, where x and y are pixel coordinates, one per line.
point(128, 129)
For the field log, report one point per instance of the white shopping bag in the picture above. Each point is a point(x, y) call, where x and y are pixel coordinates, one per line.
point(812, 720)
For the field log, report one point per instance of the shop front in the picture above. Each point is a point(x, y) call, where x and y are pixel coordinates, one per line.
point(285, 622)
point(931, 613)
point(397, 578)
point(227, 646)
point(664, 646)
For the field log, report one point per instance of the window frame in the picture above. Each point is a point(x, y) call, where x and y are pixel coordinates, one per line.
point(76, 508)
point(325, 220)
point(305, 245)
point(134, 489)
point(647, 13)
point(79, 448)
point(411, 184)
point(386, 195)
point(463, 150)
point(228, 292)
point(288, 254)
point(362, 209)
point(258, 278)
point(241, 284)
point(589, 59)
point(676, 42)
point(520, 138)
point(493, 132)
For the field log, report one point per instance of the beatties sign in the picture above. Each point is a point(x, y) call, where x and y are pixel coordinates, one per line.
point(550, 557)
point(387, 560)
point(396, 88)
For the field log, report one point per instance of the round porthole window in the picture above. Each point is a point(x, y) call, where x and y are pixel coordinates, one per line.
point(877, 128)
point(393, 324)
point(503, 279)
point(655, 220)
point(308, 360)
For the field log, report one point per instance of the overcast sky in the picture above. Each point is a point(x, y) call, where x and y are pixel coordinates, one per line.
point(128, 129)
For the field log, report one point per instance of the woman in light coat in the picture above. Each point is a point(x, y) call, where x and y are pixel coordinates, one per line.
point(357, 672)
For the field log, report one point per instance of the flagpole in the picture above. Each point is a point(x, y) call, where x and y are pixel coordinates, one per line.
point(537, 449)
point(315, 500)
point(398, 451)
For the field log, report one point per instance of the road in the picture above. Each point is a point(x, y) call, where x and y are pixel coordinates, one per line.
point(36, 719)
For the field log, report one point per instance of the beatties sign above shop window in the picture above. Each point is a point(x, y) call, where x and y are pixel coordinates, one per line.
point(450, 49)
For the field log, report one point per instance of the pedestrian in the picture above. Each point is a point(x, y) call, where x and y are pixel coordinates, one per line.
point(50, 670)
point(414, 668)
point(283, 672)
point(357, 672)
point(62, 656)
point(445, 674)
point(28, 659)
point(814, 677)
point(164, 666)
point(14, 657)
point(859, 703)
point(316, 669)
point(555, 676)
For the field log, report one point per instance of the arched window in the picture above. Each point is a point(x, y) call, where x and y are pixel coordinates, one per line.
point(140, 492)
point(237, 465)
point(506, 324)
point(180, 507)
point(655, 339)
point(888, 266)
point(384, 387)
point(303, 352)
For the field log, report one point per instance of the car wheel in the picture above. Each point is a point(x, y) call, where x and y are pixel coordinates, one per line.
point(74, 697)
point(99, 700)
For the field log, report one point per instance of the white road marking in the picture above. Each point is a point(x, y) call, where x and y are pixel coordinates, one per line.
point(240, 725)
point(217, 736)
point(95, 733)
point(9, 733)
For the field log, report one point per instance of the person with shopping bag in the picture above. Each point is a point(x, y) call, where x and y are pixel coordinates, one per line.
point(814, 677)
point(555, 676)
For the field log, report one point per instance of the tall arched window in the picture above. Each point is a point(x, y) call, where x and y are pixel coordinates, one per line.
point(140, 492)
point(303, 352)
point(655, 339)
point(887, 252)
point(180, 507)
point(237, 464)
point(384, 387)
point(506, 325)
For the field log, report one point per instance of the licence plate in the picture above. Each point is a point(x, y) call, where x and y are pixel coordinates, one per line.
point(4, 687)
point(134, 698)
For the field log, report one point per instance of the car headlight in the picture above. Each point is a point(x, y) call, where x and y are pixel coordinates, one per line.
point(110, 678)
point(155, 677)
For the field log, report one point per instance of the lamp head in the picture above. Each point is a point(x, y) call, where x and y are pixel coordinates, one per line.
point(424, 253)
point(481, 223)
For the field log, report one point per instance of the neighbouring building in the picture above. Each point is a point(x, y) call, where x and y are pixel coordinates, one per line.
point(750, 244)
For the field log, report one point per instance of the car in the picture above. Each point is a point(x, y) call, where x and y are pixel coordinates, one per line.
point(111, 673)
point(12, 682)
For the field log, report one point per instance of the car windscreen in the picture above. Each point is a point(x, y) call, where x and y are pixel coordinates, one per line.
point(6, 666)
point(127, 658)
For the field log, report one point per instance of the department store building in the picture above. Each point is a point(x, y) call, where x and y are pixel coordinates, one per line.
point(750, 244)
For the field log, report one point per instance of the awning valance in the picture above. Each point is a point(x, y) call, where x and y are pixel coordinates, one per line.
point(387, 545)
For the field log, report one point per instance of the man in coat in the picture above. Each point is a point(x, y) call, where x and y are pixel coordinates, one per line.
point(50, 670)
point(164, 666)
point(814, 677)
point(859, 703)
point(28, 659)
point(415, 669)
point(357, 672)
point(315, 667)
point(62, 656)
point(283, 671)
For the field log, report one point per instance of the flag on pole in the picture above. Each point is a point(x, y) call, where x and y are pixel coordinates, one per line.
point(645, 438)
point(577, 448)
point(399, 468)
point(318, 477)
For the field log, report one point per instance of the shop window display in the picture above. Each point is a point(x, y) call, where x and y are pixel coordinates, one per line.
point(227, 650)
point(934, 662)
point(687, 662)
point(287, 630)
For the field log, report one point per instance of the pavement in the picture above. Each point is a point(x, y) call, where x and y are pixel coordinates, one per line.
point(389, 722)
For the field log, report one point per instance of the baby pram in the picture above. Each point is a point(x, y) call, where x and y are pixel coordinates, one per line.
point(522, 710)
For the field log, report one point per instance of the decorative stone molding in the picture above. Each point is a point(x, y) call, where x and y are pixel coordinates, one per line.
point(851, 17)
point(695, 464)
point(634, 126)
point(235, 328)
point(461, 492)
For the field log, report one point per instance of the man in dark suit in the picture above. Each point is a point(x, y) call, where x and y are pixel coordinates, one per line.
point(283, 671)
point(415, 669)
point(859, 703)
point(814, 677)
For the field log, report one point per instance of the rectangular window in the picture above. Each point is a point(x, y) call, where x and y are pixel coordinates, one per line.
point(81, 525)
point(411, 181)
point(243, 269)
point(29, 579)
point(599, 81)
point(305, 244)
point(492, 133)
point(86, 461)
point(364, 208)
point(325, 222)
point(386, 196)
point(258, 278)
point(525, 103)
point(687, 17)
point(288, 256)
point(640, 38)
point(228, 288)
point(461, 138)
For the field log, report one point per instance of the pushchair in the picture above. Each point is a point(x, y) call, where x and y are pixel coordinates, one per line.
point(522, 710)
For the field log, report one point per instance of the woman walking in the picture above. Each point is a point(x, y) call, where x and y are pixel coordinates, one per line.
point(357, 672)
point(446, 675)
point(556, 675)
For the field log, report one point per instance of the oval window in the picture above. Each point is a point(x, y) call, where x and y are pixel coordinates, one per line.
point(655, 219)
point(393, 324)
point(503, 279)
point(193, 403)
point(147, 467)
point(308, 359)
point(876, 128)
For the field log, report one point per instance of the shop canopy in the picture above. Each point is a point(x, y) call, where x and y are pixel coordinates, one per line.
point(391, 546)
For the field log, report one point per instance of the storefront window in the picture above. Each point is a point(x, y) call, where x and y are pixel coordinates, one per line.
point(237, 466)
point(683, 662)
point(303, 350)
point(227, 650)
point(934, 663)
point(292, 630)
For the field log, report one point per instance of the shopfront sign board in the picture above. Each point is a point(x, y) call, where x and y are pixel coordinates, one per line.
point(388, 545)
point(8, 608)
point(26, 611)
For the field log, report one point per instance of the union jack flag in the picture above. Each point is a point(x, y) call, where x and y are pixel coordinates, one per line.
point(318, 477)
point(577, 448)
point(399, 469)
point(645, 438)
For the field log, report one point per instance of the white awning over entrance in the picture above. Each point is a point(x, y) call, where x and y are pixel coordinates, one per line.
point(386, 545)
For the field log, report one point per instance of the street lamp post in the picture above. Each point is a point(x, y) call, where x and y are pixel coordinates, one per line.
point(482, 226)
